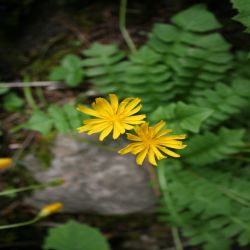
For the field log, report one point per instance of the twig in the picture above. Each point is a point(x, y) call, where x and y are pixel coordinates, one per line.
point(50, 84)
point(122, 25)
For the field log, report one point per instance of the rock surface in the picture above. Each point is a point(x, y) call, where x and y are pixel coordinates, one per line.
point(96, 179)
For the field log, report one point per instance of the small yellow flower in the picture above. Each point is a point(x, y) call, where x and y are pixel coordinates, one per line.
point(111, 116)
point(5, 163)
point(152, 142)
point(50, 209)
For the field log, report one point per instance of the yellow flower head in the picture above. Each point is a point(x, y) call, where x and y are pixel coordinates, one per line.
point(152, 142)
point(50, 209)
point(5, 163)
point(111, 116)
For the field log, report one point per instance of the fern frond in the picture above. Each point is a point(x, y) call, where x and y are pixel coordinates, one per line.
point(213, 206)
point(197, 59)
point(104, 67)
point(210, 147)
point(149, 79)
point(243, 6)
point(225, 100)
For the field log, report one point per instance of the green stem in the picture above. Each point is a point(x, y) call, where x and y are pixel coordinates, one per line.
point(28, 95)
point(169, 203)
point(176, 238)
point(122, 24)
point(32, 187)
point(41, 97)
point(21, 224)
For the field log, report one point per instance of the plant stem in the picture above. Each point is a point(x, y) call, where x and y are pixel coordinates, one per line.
point(169, 203)
point(32, 187)
point(21, 224)
point(28, 96)
point(122, 25)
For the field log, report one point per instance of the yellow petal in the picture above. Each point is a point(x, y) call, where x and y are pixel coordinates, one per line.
point(88, 111)
point(133, 137)
point(163, 132)
point(125, 150)
point(114, 102)
point(151, 157)
point(158, 154)
point(158, 127)
point(123, 105)
point(141, 156)
point(131, 105)
point(169, 152)
point(105, 133)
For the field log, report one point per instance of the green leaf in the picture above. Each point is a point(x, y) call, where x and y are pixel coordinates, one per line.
point(75, 236)
point(3, 90)
point(72, 116)
point(210, 147)
point(182, 116)
point(12, 102)
point(196, 18)
point(243, 6)
point(70, 71)
point(40, 121)
point(59, 118)
point(71, 62)
point(58, 73)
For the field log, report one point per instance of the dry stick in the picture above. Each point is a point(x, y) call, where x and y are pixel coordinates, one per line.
point(50, 84)
point(122, 24)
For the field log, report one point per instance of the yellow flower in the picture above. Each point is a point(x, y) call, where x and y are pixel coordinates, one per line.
point(111, 116)
point(152, 142)
point(50, 209)
point(5, 163)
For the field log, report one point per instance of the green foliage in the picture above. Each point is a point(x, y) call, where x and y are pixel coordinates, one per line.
point(69, 71)
point(75, 236)
point(196, 55)
point(243, 6)
point(62, 119)
point(103, 67)
point(210, 147)
point(225, 100)
point(181, 116)
point(187, 75)
point(212, 205)
point(12, 102)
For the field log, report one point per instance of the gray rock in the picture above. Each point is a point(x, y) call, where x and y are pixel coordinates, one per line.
point(96, 179)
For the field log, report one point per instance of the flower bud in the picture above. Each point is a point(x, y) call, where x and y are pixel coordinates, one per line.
point(50, 209)
point(5, 163)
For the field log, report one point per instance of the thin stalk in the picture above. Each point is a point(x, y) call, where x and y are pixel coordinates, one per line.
point(169, 203)
point(41, 97)
point(28, 96)
point(122, 25)
point(31, 187)
point(21, 224)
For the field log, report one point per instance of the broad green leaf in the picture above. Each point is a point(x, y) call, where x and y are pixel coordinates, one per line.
point(75, 236)
point(40, 121)
point(72, 116)
point(58, 73)
point(71, 62)
point(12, 102)
point(59, 119)
point(74, 77)
point(70, 71)
point(3, 90)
